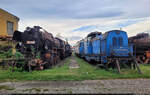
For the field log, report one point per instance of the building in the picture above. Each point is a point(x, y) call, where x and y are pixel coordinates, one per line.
point(8, 23)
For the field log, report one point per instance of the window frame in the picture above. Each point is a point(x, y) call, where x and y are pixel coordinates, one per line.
point(120, 39)
point(114, 44)
point(8, 27)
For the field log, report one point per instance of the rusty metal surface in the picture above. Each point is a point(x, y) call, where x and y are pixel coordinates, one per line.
point(140, 39)
point(141, 43)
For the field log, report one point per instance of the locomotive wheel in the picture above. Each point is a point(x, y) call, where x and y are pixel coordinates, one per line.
point(140, 60)
point(26, 67)
point(58, 59)
point(47, 65)
point(111, 64)
point(129, 64)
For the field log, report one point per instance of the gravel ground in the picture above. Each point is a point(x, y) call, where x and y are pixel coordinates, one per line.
point(135, 86)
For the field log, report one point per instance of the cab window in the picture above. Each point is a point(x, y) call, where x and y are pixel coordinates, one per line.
point(120, 41)
point(114, 41)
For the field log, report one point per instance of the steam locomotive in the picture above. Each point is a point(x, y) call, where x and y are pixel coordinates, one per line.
point(37, 41)
point(141, 44)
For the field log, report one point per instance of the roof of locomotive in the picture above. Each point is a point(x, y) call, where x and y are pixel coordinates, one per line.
point(59, 39)
point(139, 36)
point(94, 33)
point(106, 33)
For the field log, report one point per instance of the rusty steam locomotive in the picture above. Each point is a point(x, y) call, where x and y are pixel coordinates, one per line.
point(38, 42)
point(141, 43)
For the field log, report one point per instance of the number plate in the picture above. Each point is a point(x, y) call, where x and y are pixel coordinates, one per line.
point(30, 42)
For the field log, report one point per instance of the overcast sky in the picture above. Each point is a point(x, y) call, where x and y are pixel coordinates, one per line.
point(74, 19)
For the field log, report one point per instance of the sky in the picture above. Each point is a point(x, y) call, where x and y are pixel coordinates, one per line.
point(74, 19)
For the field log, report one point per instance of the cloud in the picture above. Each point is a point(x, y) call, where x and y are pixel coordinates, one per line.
point(131, 26)
point(75, 30)
point(78, 9)
point(74, 19)
point(128, 22)
point(140, 27)
point(74, 38)
point(83, 28)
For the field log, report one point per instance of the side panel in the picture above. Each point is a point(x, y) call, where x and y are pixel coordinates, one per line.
point(103, 50)
point(81, 48)
point(89, 47)
point(96, 46)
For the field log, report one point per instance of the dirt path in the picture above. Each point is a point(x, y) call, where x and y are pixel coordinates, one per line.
point(88, 86)
point(73, 63)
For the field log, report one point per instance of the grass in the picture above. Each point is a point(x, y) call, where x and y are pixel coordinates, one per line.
point(84, 72)
point(91, 72)
point(4, 87)
point(33, 89)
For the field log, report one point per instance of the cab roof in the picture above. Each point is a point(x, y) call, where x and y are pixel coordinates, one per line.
point(116, 31)
point(94, 33)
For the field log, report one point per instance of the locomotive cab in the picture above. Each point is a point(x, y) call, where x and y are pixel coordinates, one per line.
point(117, 44)
point(92, 46)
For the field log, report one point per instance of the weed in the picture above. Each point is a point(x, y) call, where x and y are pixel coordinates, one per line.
point(69, 91)
point(44, 90)
point(6, 87)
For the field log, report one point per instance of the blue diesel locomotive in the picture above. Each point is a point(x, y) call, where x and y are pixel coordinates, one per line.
point(108, 49)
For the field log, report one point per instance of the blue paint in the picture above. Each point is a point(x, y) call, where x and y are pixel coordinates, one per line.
point(81, 48)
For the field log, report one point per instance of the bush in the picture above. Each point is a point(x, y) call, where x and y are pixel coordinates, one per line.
point(9, 54)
